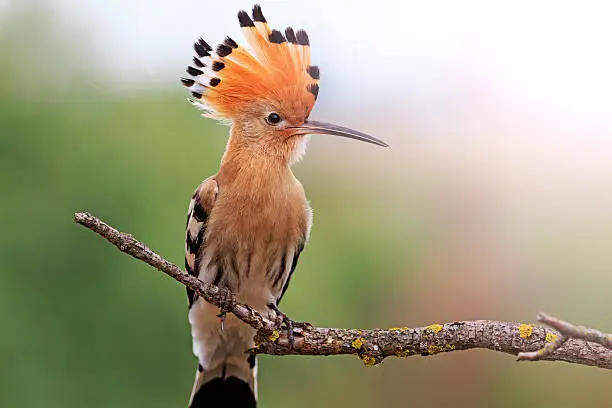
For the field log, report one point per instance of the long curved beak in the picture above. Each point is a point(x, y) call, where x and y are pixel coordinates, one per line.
point(312, 127)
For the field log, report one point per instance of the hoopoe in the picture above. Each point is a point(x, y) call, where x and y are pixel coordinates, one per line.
point(248, 224)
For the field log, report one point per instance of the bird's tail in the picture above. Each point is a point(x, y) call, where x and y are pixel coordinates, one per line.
point(231, 385)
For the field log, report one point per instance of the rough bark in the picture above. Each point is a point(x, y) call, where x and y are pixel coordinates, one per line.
point(570, 343)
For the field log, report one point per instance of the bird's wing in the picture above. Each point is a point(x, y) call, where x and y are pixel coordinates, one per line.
point(199, 209)
point(299, 247)
point(296, 257)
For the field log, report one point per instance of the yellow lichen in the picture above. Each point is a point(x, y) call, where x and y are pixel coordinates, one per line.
point(258, 340)
point(274, 336)
point(400, 329)
point(402, 353)
point(433, 349)
point(551, 337)
point(368, 361)
point(435, 328)
point(357, 343)
point(525, 330)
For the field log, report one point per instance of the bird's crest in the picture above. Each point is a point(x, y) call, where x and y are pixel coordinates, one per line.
point(275, 67)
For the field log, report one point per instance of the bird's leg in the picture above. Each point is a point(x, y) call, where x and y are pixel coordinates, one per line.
point(227, 301)
point(290, 324)
point(283, 318)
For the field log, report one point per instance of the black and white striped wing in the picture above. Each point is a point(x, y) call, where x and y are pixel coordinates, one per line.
point(199, 209)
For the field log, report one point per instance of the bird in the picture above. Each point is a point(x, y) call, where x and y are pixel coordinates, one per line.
point(248, 224)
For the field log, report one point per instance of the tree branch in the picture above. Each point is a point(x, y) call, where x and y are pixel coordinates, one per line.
point(570, 343)
point(211, 293)
point(566, 331)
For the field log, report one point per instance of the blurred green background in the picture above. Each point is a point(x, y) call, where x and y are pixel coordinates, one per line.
point(476, 212)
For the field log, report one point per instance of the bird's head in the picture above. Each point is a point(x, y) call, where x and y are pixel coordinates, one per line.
point(266, 92)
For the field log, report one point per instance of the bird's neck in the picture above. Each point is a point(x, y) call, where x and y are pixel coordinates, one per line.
point(255, 162)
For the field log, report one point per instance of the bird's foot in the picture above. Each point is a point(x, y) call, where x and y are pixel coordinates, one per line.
point(289, 324)
point(227, 301)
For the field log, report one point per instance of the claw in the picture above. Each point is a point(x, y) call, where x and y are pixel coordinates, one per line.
point(227, 302)
point(289, 324)
point(221, 317)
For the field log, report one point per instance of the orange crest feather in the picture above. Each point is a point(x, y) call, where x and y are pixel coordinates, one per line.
point(276, 68)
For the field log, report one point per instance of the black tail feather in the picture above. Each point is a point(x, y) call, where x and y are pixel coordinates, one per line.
point(229, 393)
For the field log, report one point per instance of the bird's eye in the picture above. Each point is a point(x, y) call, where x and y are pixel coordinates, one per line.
point(273, 118)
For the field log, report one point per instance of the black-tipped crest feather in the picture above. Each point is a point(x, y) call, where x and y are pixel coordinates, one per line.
point(290, 34)
point(244, 19)
point(313, 71)
point(230, 43)
point(204, 44)
point(198, 63)
point(217, 66)
point(200, 50)
point(223, 50)
point(193, 71)
point(276, 37)
point(258, 14)
point(302, 37)
point(313, 89)
point(187, 82)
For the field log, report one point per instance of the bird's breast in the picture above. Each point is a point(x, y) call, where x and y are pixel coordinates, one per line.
point(252, 236)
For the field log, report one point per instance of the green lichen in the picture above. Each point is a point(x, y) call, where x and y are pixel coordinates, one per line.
point(551, 337)
point(357, 343)
point(525, 330)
